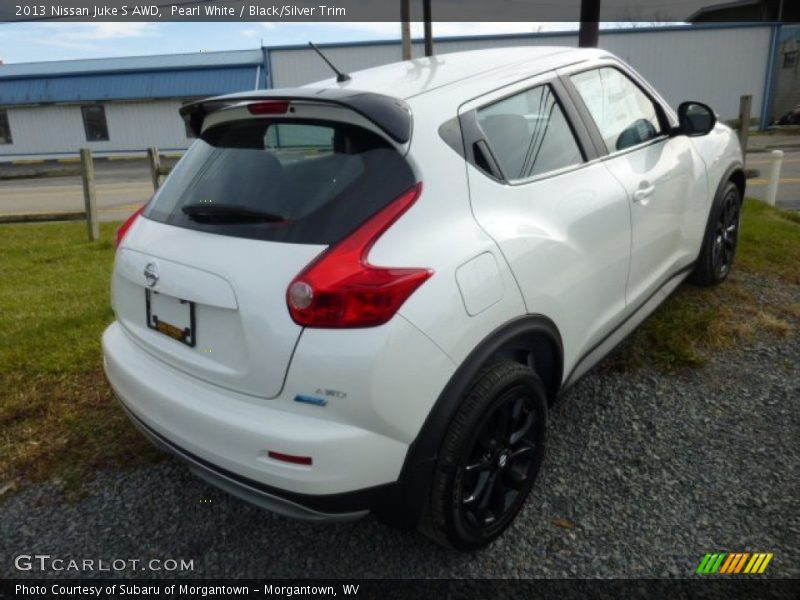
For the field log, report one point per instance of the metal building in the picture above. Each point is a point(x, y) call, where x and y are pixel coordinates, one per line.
point(713, 64)
point(113, 105)
point(786, 86)
point(128, 104)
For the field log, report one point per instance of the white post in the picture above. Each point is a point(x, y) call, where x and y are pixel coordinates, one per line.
point(774, 176)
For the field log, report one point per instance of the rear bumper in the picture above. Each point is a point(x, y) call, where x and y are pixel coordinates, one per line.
point(261, 495)
point(225, 437)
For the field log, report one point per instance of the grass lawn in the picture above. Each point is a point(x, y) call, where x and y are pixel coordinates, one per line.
point(695, 321)
point(57, 415)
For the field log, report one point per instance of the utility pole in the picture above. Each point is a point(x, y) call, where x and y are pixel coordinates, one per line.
point(426, 16)
point(405, 27)
point(590, 24)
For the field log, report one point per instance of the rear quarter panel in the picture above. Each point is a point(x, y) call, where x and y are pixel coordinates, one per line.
point(439, 232)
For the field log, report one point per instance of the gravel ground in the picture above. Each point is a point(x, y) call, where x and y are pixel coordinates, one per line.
point(645, 473)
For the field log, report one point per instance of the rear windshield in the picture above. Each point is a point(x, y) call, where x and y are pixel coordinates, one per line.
point(307, 182)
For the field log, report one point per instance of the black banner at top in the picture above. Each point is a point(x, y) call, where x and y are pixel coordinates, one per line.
point(655, 11)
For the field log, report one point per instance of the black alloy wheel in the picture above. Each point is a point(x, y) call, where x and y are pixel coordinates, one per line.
point(490, 457)
point(726, 234)
point(718, 250)
point(498, 469)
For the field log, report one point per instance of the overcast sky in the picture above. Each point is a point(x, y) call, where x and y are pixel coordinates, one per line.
point(30, 42)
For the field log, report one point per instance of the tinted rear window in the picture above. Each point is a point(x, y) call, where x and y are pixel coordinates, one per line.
point(322, 179)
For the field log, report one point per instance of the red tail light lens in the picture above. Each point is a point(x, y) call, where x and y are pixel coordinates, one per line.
point(290, 458)
point(341, 289)
point(123, 230)
point(271, 107)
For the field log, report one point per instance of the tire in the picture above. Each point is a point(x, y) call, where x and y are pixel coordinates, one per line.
point(721, 238)
point(489, 458)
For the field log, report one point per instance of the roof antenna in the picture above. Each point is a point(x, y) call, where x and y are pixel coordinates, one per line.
point(340, 77)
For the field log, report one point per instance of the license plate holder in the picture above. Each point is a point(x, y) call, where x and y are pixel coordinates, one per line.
point(169, 315)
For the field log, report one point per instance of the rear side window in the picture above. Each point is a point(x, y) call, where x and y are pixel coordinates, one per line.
point(298, 182)
point(529, 134)
point(624, 114)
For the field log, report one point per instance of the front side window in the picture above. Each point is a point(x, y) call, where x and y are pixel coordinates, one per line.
point(94, 123)
point(5, 129)
point(529, 134)
point(624, 114)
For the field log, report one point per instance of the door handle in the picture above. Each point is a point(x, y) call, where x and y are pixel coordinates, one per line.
point(644, 192)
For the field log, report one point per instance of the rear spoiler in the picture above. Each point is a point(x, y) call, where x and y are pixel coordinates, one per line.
point(391, 115)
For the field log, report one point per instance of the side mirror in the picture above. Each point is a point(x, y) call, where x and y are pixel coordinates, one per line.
point(695, 118)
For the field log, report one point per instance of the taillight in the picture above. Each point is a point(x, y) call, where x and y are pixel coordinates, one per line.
point(270, 107)
point(290, 458)
point(123, 230)
point(340, 288)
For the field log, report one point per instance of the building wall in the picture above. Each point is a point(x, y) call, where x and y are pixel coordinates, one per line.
point(125, 85)
point(299, 66)
point(787, 72)
point(58, 129)
point(714, 65)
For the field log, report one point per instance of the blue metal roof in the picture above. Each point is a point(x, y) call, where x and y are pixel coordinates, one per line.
point(167, 76)
point(161, 62)
point(127, 86)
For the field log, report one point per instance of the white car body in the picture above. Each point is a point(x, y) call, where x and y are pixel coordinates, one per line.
point(570, 261)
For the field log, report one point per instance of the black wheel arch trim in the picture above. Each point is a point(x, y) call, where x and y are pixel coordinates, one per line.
point(418, 468)
point(733, 169)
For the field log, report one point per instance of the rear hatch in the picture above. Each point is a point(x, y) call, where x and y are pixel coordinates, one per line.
point(201, 276)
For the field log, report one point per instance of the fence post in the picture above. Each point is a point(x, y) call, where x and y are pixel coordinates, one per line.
point(155, 166)
point(744, 120)
point(774, 176)
point(89, 199)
